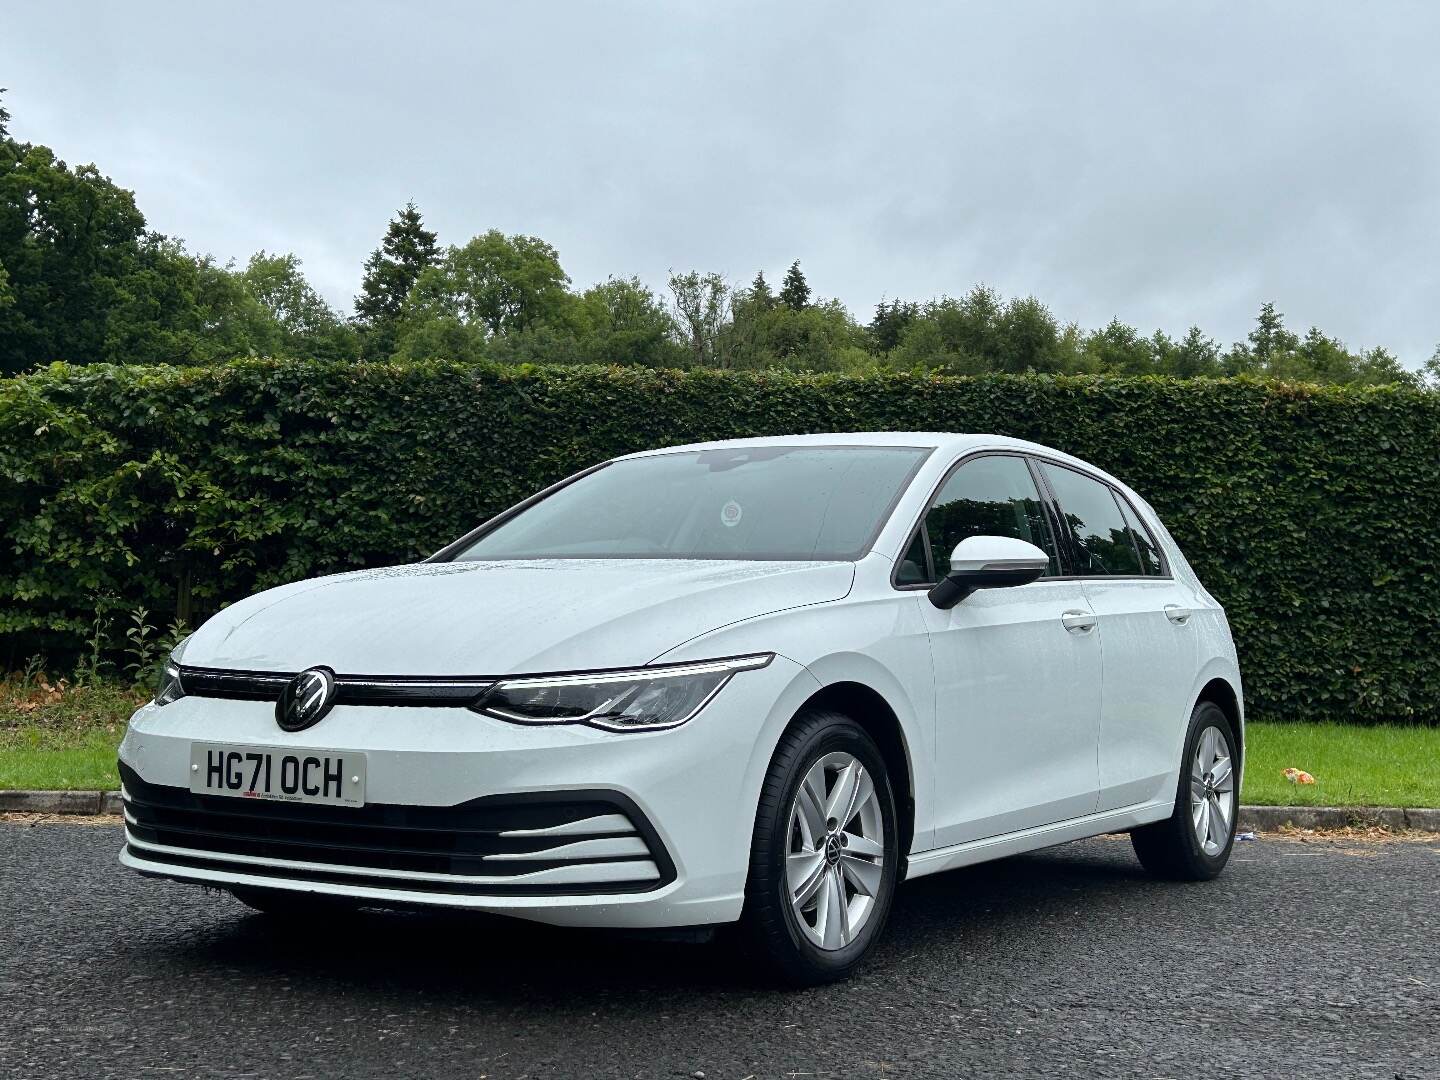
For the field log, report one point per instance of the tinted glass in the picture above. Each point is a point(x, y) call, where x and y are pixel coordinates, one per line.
point(1149, 555)
point(990, 496)
point(754, 502)
point(1102, 539)
point(912, 569)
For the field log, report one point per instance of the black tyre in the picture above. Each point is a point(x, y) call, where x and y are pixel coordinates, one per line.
point(294, 906)
point(825, 852)
point(1194, 842)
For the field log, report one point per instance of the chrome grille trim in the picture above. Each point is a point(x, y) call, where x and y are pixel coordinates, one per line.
point(592, 826)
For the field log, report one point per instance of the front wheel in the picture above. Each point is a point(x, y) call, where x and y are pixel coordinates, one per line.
point(823, 862)
point(1194, 843)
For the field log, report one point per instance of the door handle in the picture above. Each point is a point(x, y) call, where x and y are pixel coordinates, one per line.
point(1079, 622)
point(1177, 614)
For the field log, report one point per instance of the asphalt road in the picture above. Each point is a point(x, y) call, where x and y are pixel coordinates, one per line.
point(1312, 960)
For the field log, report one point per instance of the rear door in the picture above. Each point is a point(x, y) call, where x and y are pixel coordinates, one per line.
point(1149, 649)
point(1017, 671)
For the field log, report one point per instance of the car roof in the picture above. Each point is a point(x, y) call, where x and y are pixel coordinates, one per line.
point(933, 440)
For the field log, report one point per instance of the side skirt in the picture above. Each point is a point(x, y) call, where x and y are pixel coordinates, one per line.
point(997, 847)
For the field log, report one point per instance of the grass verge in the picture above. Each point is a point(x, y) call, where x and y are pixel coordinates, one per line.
point(61, 737)
point(1352, 765)
point(57, 737)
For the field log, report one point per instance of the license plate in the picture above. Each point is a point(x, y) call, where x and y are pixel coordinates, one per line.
point(329, 777)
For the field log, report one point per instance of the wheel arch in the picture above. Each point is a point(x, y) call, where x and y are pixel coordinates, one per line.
point(1220, 692)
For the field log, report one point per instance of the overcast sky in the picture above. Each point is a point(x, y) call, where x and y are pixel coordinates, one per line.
point(1166, 164)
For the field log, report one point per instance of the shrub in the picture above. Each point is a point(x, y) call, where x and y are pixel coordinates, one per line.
point(1310, 512)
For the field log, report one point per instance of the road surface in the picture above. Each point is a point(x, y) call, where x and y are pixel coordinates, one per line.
point(1305, 959)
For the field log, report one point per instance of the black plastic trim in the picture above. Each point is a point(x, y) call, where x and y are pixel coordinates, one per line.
point(422, 691)
point(379, 837)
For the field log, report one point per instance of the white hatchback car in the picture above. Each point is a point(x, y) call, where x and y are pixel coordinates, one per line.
point(758, 681)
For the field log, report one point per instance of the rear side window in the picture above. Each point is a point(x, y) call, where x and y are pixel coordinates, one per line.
point(1102, 538)
point(1150, 562)
point(987, 496)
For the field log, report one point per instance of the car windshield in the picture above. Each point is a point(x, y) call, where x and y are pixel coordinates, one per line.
point(742, 502)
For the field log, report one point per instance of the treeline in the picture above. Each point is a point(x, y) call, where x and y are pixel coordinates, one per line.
point(83, 279)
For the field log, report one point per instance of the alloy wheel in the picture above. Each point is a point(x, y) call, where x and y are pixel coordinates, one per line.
point(836, 850)
point(1212, 792)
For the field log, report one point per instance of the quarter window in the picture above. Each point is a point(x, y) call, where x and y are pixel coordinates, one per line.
point(987, 496)
point(912, 569)
point(1149, 555)
point(1099, 532)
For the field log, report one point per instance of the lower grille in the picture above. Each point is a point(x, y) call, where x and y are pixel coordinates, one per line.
point(571, 842)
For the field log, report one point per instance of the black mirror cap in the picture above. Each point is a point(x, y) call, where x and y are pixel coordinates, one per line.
point(958, 584)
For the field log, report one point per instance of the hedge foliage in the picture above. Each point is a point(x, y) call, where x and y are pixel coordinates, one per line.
point(1311, 512)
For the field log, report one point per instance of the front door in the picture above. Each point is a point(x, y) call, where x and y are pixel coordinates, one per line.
point(1017, 671)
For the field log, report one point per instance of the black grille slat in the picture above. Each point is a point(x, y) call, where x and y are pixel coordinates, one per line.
point(336, 838)
point(379, 837)
point(272, 812)
point(438, 692)
point(421, 862)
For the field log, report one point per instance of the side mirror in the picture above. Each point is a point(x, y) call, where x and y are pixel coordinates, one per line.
point(988, 562)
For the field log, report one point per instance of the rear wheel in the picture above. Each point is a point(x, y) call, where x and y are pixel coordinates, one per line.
point(823, 862)
point(293, 906)
point(1194, 843)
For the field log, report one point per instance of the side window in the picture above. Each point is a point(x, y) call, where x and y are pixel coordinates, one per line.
point(1101, 536)
point(1150, 562)
point(912, 570)
point(989, 496)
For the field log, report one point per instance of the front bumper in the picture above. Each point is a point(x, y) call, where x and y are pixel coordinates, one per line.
point(560, 824)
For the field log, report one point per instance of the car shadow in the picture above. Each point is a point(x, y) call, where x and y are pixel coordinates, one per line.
point(480, 956)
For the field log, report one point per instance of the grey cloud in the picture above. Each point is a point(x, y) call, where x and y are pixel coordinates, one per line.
point(1164, 164)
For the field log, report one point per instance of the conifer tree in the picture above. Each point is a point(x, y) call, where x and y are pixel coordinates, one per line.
point(760, 294)
point(795, 292)
point(390, 272)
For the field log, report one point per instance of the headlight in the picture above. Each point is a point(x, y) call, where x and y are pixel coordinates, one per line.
point(169, 688)
point(642, 699)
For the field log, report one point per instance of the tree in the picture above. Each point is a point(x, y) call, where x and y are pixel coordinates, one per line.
point(622, 322)
point(969, 330)
point(308, 326)
point(760, 294)
point(888, 325)
point(1195, 355)
point(1026, 336)
point(178, 308)
point(820, 337)
point(701, 310)
point(68, 239)
point(1431, 370)
point(495, 285)
point(392, 270)
point(1119, 348)
point(619, 321)
point(1270, 341)
point(795, 290)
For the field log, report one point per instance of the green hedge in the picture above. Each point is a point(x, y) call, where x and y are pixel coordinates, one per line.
point(1311, 512)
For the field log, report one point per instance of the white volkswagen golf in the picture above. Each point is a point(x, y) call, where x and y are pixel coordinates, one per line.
point(759, 681)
